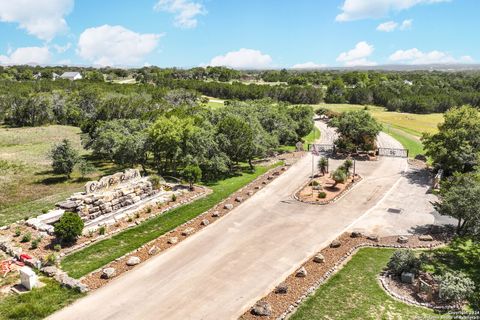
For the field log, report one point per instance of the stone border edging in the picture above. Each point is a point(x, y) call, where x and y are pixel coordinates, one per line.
point(386, 288)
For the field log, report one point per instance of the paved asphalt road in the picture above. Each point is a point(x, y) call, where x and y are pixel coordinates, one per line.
point(220, 272)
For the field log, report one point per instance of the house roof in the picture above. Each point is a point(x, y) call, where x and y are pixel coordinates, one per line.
point(70, 74)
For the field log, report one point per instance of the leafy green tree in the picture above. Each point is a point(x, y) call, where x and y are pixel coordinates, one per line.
point(336, 92)
point(357, 130)
point(193, 174)
point(85, 167)
point(69, 227)
point(64, 157)
point(404, 260)
point(459, 199)
point(456, 146)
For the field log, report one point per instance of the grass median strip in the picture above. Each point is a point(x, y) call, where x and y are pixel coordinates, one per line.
point(354, 293)
point(99, 254)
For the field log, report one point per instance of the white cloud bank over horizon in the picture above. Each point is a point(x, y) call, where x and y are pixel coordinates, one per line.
point(415, 56)
point(115, 46)
point(43, 19)
point(27, 55)
point(242, 59)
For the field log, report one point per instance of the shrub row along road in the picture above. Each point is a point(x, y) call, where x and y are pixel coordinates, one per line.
point(220, 272)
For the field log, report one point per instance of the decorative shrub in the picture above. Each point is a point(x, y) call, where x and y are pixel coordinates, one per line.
point(102, 230)
point(314, 183)
point(18, 232)
point(174, 197)
point(404, 260)
point(69, 227)
point(156, 181)
point(322, 195)
point(50, 260)
point(34, 244)
point(455, 287)
point(26, 237)
point(57, 247)
point(339, 176)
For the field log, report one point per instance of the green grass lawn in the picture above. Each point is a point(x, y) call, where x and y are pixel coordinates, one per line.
point(354, 293)
point(37, 304)
point(27, 185)
point(309, 139)
point(99, 254)
point(412, 143)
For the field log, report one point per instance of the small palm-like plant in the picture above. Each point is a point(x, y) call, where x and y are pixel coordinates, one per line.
point(339, 176)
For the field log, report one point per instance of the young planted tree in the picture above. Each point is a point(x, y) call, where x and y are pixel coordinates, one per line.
point(69, 227)
point(64, 158)
point(322, 165)
point(193, 174)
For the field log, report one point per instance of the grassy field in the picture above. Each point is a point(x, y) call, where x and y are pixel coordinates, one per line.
point(354, 293)
point(27, 185)
point(38, 303)
point(414, 124)
point(97, 255)
point(407, 128)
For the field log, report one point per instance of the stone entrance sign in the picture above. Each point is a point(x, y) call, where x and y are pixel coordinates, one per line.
point(28, 278)
point(112, 181)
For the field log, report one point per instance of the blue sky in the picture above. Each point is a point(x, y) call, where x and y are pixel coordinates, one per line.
point(239, 33)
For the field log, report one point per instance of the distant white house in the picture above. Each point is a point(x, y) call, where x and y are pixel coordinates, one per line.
point(408, 82)
point(71, 76)
point(55, 76)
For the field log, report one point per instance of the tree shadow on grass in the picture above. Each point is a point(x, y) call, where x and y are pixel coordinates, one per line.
point(52, 180)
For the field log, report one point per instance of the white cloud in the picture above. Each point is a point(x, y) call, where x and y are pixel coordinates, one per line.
point(27, 55)
point(406, 24)
point(365, 9)
point(388, 26)
point(358, 56)
point(115, 45)
point(62, 49)
point(185, 11)
point(243, 59)
point(415, 56)
point(41, 18)
point(308, 65)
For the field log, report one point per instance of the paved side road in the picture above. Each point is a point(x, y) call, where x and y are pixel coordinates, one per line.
point(220, 272)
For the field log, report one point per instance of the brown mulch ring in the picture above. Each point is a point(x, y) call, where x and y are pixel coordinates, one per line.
point(326, 186)
point(94, 280)
point(317, 273)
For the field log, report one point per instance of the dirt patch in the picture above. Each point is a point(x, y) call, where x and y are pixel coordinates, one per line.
point(317, 273)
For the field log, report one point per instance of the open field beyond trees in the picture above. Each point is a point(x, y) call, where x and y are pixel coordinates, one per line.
point(27, 183)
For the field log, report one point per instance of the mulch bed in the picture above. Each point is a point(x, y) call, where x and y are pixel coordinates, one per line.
point(317, 273)
point(309, 194)
point(94, 279)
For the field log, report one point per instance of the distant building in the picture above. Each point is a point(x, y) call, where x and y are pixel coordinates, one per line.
point(71, 76)
point(408, 82)
point(56, 76)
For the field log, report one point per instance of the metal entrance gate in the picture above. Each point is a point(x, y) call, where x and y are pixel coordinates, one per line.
point(325, 148)
point(392, 152)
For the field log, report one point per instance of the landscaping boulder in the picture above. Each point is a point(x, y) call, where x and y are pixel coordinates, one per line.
point(50, 271)
point(356, 234)
point(372, 237)
point(282, 288)
point(239, 199)
point(402, 239)
point(421, 157)
point(108, 273)
point(188, 231)
point(133, 261)
point(319, 258)
point(301, 273)
point(205, 222)
point(425, 237)
point(228, 206)
point(216, 214)
point(262, 308)
point(173, 240)
point(335, 244)
point(250, 193)
point(407, 277)
point(153, 250)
